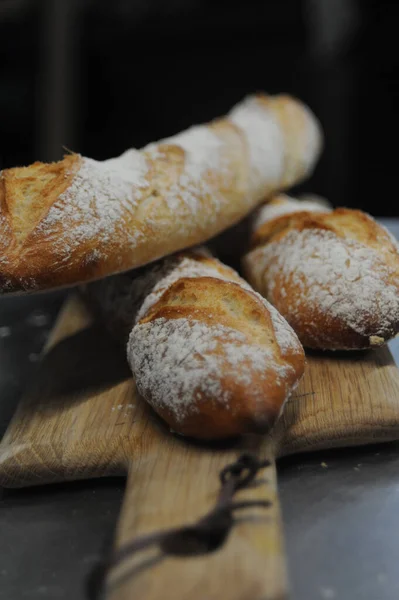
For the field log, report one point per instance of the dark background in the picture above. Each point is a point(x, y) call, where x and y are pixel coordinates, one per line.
point(99, 76)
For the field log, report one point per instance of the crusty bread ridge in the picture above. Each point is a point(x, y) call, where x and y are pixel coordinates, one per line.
point(211, 356)
point(79, 219)
point(333, 274)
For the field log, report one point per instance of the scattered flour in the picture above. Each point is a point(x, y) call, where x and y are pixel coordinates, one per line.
point(341, 278)
point(153, 284)
point(202, 150)
point(177, 361)
point(182, 267)
point(288, 205)
point(204, 155)
point(95, 203)
point(265, 142)
point(285, 335)
point(162, 277)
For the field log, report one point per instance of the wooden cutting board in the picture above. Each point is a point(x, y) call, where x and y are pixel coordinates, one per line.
point(82, 418)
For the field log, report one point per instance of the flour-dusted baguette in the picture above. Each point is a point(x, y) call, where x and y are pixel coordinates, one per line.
point(212, 357)
point(333, 274)
point(80, 219)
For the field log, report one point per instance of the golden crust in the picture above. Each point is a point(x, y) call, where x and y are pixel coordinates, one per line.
point(295, 119)
point(211, 356)
point(26, 195)
point(333, 275)
point(79, 220)
point(253, 408)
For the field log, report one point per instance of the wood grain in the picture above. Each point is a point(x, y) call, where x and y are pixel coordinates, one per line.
point(82, 417)
point(175, 484)
point(344, 399)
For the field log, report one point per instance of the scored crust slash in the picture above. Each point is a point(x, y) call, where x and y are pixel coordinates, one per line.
point(80, 219)
point(333, 274)
point(214, 357)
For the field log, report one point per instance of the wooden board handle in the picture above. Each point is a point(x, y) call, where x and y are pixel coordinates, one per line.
point(175, 484)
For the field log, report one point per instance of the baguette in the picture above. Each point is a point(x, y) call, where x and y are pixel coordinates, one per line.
point(212, 357)
point(333, 274)
point(79, 219)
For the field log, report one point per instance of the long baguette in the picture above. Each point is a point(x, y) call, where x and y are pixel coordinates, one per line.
point(79, 219)
point(212, 357)
point(333, 274)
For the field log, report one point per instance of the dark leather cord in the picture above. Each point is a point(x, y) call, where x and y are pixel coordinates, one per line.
point(206, 535)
